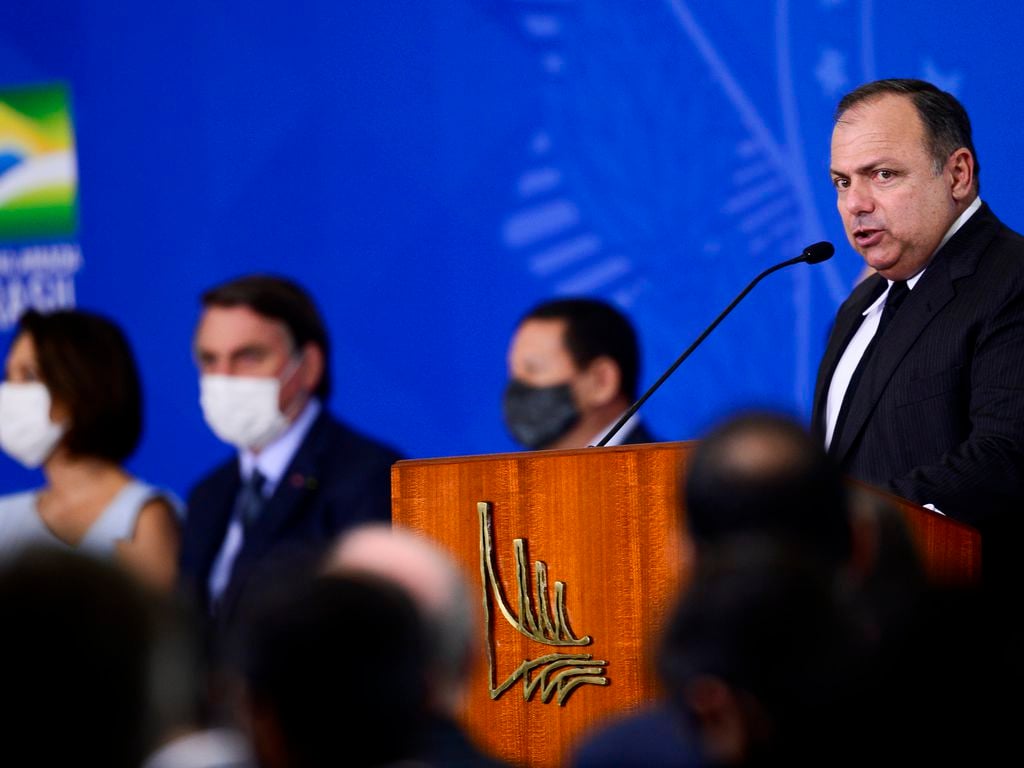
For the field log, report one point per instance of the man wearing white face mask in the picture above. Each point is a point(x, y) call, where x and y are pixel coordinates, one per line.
point(300, 476)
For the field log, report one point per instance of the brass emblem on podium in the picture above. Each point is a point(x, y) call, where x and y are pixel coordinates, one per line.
point(557, 674)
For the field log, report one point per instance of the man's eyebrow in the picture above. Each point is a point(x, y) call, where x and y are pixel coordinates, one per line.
point(877, 162)
point(249, 349)
point(246, 349)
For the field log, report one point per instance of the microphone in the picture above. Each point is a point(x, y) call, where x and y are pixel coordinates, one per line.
point(812, 254)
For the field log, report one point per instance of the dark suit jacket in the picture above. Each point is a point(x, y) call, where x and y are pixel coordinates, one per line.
point(336, 479)
point(656, 736)
point(445, 743)
point(639, 434)
point(938, 417)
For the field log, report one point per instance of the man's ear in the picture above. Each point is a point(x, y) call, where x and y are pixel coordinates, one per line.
point(960, 167)
point(721, 721)
point(600, 383)
point(265, 734)
point(311, 372)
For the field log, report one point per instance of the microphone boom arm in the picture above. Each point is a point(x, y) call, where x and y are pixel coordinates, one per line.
point(808, 255)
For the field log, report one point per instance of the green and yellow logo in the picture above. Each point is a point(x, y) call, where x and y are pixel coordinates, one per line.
point(38, 173)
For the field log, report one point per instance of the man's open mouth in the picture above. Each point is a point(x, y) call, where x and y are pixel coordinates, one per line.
point(868, 237)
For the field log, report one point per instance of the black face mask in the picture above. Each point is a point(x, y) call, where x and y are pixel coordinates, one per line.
point(537, 416)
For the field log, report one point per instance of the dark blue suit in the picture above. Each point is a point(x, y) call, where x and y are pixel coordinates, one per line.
point(336, 479)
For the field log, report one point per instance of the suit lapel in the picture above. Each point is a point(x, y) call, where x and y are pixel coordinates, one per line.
point(958, 258)
point(932, 293)
point(847, 322)
point(209, 528)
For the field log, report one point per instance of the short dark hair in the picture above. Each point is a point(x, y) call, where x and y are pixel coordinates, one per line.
point(766, 621)
point(353, 639)
point(946, 124)
point(86, 363)
point(278, 298)
point(84, 635)
point(762, 473)
point(593, 329)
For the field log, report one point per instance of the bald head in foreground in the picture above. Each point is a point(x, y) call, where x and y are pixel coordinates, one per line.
point(438, 588)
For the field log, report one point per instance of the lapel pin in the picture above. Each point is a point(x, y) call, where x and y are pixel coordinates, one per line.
point(299, 480)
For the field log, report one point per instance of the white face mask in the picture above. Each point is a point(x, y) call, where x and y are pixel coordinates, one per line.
point(26, 432)
point(244, 411)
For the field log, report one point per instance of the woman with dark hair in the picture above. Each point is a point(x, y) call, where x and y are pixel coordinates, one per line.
point(71, 402)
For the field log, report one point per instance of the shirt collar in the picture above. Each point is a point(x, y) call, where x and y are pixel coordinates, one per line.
point(273, 459)
point(960, 221)
point(619, 436)
point(877, 303)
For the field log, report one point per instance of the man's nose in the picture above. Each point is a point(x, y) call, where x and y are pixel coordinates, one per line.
point(857, 198)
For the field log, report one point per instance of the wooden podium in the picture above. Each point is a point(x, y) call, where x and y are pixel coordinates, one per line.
point(575, 558)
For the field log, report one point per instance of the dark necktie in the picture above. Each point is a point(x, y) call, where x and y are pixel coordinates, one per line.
point(250, 500)
point(898, 292)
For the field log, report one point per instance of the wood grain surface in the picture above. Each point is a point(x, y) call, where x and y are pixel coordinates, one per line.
point(605, 522)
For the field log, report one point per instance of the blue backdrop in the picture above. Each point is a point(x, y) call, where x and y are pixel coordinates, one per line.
point(432, 169)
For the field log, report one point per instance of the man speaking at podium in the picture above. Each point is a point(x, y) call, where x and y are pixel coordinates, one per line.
point(921, 388)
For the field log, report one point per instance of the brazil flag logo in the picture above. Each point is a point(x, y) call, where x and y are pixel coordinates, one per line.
point(38, 176)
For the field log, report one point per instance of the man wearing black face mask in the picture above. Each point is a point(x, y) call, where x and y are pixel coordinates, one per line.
point(573, 369)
